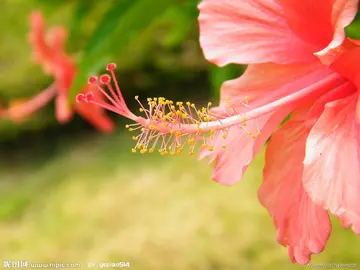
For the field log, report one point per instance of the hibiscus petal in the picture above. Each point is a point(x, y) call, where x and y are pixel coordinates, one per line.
point(261, 84)
point(348, 65)
point(317, 109)
point(342, 14)
point(56, 38)
point(242, 147)
point(302, 226)
point(41, 51)
point(19, 110)
point(63, 110)
point(249, 31)
point(326, 19)
point(332, 164)
point(95, 116)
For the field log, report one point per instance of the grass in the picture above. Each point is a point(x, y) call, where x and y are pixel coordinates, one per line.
point(92, 200)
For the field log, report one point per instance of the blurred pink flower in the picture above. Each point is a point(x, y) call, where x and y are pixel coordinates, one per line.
point(49, 51)
point(298, 53)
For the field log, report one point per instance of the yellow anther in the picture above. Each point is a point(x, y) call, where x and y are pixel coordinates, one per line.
point(224, 136)
point(209, 104)
point(155, 117)
point(139, 146)
point(188, 103)
point(212, 131)
point(131, 129)
point(152, 127)
point(142, 129)
point(134, 138)
point(141, 109)
point(136, 97)
point(211, 148)
point(178, 133)
point(133, 150)
point(127, 126)
point(204, 145)
point(243, 121)
point(149, 99)
point(172, 132)
point(193, 105)
point(191, 153)
point(143, 151)
point(172, 153)
point(223, 147)
point(151, 150)
point(191, 141)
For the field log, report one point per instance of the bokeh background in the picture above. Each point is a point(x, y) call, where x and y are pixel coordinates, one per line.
point(71, 194)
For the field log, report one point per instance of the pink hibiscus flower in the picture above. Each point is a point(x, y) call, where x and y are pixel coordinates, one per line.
point(49, 51)
point(312, 162)
point(300, 61)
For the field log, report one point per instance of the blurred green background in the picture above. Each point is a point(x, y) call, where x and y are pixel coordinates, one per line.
point(71, 194)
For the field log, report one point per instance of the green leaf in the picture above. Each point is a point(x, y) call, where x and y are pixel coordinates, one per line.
point(182, 18)
point(120, 25)
point(107, 25)
point(81, 10)
point(353, 30)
